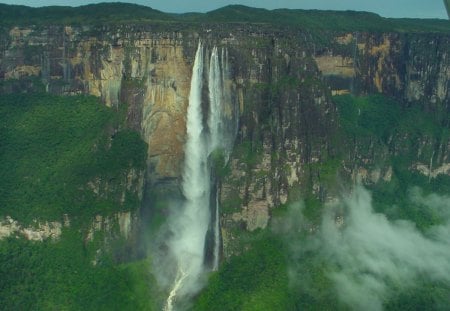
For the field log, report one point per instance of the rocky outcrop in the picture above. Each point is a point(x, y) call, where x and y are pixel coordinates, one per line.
point(431, 172)
point(39, 231)
point(164, 107)
point(122, 223)
point(131, 183)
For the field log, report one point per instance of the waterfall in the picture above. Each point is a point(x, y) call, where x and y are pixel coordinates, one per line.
point(198, 215)
point(215, 80)
point(215, 98)
point(216, 253)
point(191, 224)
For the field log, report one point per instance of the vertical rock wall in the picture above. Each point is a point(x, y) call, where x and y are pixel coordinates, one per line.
point(282, 79)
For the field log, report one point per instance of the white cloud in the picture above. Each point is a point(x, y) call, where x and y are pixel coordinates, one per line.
point(372, 257)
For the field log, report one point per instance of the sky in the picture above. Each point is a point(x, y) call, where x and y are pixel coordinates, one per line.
point(386, 8)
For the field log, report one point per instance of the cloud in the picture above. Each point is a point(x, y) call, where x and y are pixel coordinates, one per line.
point(178, 255)
point(371, 257)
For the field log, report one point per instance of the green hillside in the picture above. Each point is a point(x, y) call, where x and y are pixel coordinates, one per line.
point(52, 146)
point(87, 14)
point(110, 13)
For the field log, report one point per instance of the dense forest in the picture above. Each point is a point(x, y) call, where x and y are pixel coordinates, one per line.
point(335, 193)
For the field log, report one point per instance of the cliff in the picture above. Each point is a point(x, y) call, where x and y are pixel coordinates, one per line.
point(320, 108)
point(409, 67)
point(295, 140)
point(284, 82)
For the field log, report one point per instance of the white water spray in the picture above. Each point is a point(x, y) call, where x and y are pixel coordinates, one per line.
point(216, 253)
point(215, 86)
point(189, 226)
point(188, 242)
point(215, 99)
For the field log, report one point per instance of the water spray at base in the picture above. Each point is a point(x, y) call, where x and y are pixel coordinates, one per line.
point(187, 243)
point(199, 213)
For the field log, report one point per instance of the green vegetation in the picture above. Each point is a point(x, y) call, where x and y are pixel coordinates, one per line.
point(60, 276)
point(248, 152)
point(374, 125)
point(423, 296)
point(313, 209)
point(373, 115)
point(379, 125)
point(394, 197)
point(255, 280)
point(289, 271)
point(381, 117)
point(101, 13)
point(327, 171)
point(232, 204)
point(220, 168)
point(322, 20)
point(55, 151)
point(65, 155)
point(312, 288)
point(387, 125)
point(283, 84)
point(121, 13)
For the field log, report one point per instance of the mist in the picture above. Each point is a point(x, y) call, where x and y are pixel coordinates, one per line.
point(184, 257)
point(370, 257)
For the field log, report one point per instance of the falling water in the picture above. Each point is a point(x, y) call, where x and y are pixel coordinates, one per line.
point(190, 225)
point(216, 234)
point(189, 238)
point(215, 98)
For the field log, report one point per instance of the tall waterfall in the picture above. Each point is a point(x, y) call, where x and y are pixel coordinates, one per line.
point(215, 98)
point(188, 241)
point(190, 225)
point(215, 81)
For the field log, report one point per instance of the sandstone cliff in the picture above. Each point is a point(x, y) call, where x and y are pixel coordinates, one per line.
point(283, 80)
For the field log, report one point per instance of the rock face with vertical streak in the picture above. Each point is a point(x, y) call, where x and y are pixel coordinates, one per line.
point(413, 68)
point(150, 70)
point(147, 71)
point(282, 79)
point(164, 107)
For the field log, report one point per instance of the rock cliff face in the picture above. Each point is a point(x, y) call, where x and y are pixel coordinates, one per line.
point(286, 126)
point(147, 71)
point(410, 67)
point(283, 81)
